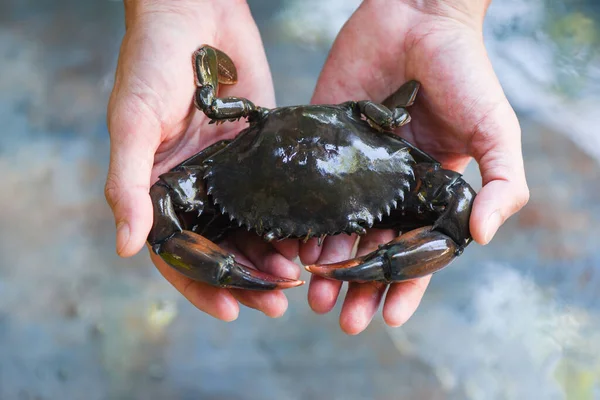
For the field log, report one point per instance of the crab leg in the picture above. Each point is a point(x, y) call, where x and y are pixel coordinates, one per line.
point(392, 113)
point(422, 251)
point(202, 260)
point(181, 191)
point(211, 67)
point(197, 257)
point(413, 255)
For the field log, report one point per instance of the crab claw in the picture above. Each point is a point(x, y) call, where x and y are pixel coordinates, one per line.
point(200, 259)
point(415, 254)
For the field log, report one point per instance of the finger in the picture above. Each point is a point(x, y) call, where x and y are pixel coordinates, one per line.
point(360, 305)
point(310, 251)
point(497, 144)
point(489, 130)
point(273, 304)
point(288, 248)
point(136, 118)
point(214, 301)
point(264, 257)
point(402, 300)
point(334, 86)
point(134, 138)
point(363, 299)
point(248, 251)
point(494, 204)
point(222, 303)
point(323, 293)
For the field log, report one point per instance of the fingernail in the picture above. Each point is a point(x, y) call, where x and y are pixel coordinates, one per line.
point(491, 226)
point(122, 236)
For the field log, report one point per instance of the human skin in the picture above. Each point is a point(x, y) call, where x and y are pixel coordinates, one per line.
point(461, 114)
point(153, 127)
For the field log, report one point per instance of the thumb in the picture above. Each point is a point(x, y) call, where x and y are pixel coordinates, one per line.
point(497, 149)
point(135, 134)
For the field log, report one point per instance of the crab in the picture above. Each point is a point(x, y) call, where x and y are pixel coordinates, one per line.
point(307, 171)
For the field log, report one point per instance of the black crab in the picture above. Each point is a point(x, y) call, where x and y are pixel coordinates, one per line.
point(307, 171)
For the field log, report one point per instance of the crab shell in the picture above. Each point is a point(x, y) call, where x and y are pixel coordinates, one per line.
point(310, 171)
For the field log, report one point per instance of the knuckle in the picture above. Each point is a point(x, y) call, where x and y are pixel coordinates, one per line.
point(522, 197)
point(112, 191)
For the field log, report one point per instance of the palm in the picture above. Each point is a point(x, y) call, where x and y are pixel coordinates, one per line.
point(187, 130)
point(449, 109)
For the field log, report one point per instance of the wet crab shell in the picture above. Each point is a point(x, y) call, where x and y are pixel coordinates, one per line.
point(308, 171)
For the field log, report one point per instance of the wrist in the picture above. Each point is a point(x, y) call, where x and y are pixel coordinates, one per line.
point(468, 12)
point(193, 9)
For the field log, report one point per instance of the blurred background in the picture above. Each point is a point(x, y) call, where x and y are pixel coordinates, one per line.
point(518, 319)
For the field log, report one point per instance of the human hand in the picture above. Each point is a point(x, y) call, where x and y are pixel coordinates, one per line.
point(461, 113)
point(154, 126)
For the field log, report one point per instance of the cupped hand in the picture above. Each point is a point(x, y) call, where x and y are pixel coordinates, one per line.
point(154, 126)
point(461, 113)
